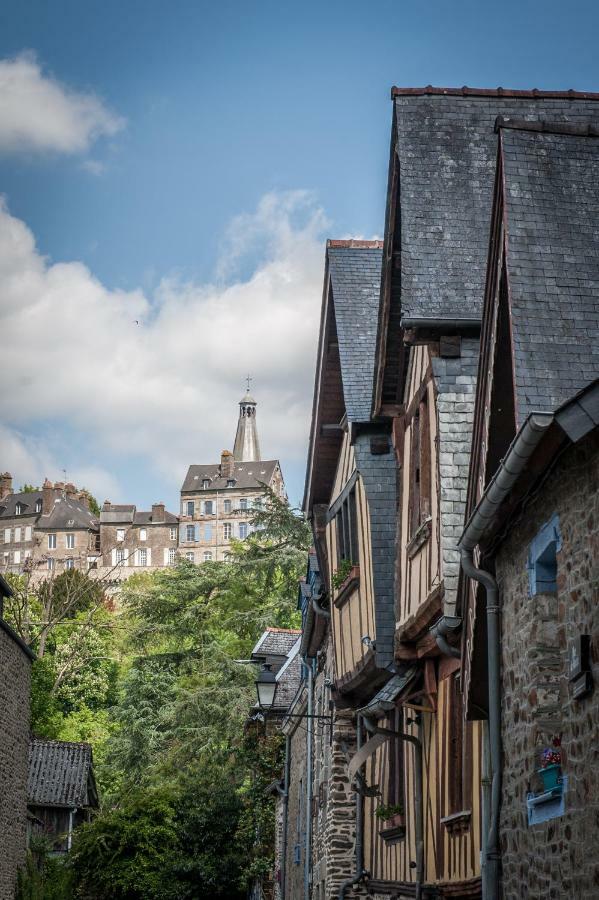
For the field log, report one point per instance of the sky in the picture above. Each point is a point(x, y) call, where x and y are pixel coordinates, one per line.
point(169, 174)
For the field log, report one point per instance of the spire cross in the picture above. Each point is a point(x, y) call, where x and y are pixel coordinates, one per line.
point(249, 379)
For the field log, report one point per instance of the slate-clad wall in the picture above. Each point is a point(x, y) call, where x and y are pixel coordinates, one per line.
point(455, 380)
point(557, 858)
point(15, 681)
point(379, 475)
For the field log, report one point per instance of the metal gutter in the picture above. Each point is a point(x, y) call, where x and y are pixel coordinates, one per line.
point(439, 323)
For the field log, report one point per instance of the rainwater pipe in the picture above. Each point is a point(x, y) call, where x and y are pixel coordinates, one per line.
point(318, 609)
point(309, 668)
point(361, 874)
point(446, 626)
point(284, 794)
point(418, 795)
point(510, 469)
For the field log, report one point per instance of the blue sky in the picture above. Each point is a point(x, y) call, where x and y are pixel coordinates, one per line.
point(207, 151)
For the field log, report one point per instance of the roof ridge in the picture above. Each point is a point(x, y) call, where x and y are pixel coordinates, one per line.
point(510, 93)
point(543, 126)
point(355, 243)
point(286, 630)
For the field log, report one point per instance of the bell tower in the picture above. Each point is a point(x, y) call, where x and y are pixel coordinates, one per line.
point(247, 446)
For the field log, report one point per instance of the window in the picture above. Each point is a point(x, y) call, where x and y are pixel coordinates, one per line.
point(51, 564)
point(228, 557)
point(70, 541)
point(208, 532)
point(208, 507)
point(190, 532)
point(243, 530)
point(258, 503)
point(227, 531)
point(7, 535)
point(17, 557)
point(207, 556)
point(230, 482)
point(420, 462)
point(51, 542)
point(120, 555)
point(142, 557)
point(347, 530)
point(243, 504)
point(542, 559)
point(189, 556)
point(172, 555)
point(19, 509)
point(189, 508)
point(38, 506)
point(227, 506)
point(206, 483)
point(394, 794)
point(17, 535)
point(28, 533)
point(120, 534)
point(143, 534)
point(69, 563)
point(173, 532)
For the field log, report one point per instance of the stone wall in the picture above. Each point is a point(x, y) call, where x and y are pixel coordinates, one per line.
point(15, 679)
point(557, 858)
point(296, 811)
point(158, 542)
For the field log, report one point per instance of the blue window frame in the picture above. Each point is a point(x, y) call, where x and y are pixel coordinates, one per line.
point(542, 558)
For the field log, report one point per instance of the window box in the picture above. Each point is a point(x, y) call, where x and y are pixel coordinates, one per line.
point(394, 828)
point(348, 586)
point(550, 776)
point(457, 823)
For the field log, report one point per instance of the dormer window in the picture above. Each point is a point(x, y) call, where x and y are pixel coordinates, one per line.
point(19, 509)
point(38, 506)
point(206, 483)
point(230, 482)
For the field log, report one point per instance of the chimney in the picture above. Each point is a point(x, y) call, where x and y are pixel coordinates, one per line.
point(47, 497)
point(83, 498)
point(158, 512)
point(106, 506)
point(5, 485)
point(227, 464)
point(70, 490)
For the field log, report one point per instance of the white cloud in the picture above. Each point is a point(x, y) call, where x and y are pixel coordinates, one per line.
point(38, 113)
point(167, 388)
point(93, 166)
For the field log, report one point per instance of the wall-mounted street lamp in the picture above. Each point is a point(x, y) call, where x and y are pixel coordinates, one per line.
point(266, 688)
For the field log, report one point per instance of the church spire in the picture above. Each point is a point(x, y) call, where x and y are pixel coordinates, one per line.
point(247, 446)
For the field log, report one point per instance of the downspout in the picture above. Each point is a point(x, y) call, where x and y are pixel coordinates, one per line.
point(285, 801)
point(418, 796)
point(320, 610)
point(447, 625)
point(493, 855)
point(72, 813)
point(510, 469)
point(360, 871)
point(309, 667)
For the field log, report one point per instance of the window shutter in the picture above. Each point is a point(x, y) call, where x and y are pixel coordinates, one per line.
point(114, 557)
point(165, 556)
point(197, 533)
point(182, 532)
point(149, 556)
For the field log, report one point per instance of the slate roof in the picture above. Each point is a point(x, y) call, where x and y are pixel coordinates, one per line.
point(60, 774)
point(276, 642)
point(355, 272)
point(145, 518)
point(28, 499)
point(447, 151)
point(552, 211)
point(67, 513)
point(289, 677)
point(246, 475)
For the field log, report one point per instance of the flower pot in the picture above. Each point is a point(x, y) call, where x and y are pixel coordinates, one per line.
point(550, 776)
point(394, 828)
point(396, 821)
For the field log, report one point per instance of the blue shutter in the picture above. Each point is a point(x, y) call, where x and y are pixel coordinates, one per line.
point(182, 532)
point(208, 532)
point(197, 533)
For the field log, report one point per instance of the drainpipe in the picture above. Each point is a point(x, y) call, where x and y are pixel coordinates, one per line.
point(510, 469)
point(309, 667)
point(447, 625)
point(485, 802)
point(320, 610)
point(418, 795)
point(70, 831)
point(285, 800)
point(361, 873)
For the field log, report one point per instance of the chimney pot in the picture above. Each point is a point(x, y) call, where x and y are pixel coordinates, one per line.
point(158, 512)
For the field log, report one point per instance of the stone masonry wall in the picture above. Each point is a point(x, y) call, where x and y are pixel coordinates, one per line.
point(296, 813)
point(15, 680)
point(558, 858)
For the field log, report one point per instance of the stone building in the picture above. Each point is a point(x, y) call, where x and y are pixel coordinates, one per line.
point(133, 539)
point(15, 681)
point(531, 545)
point(217, 499)
point(46, 532)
